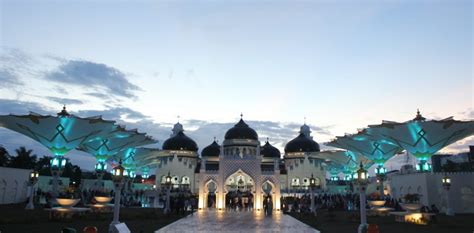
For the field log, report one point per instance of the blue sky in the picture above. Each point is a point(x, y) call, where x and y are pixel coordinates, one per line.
point(341, 64)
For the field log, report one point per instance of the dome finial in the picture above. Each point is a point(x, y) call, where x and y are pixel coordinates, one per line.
point(63, 112)
point(178, 118)
point(267, 139)
point(419, 117)
point(241, 115)
point(214, 138)
point(305, 120)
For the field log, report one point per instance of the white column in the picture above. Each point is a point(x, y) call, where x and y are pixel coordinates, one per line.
point(115, 221)
point(363, 214)
point(30, 205)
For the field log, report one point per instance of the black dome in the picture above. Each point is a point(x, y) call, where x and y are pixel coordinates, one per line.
point(269, 151)
point(241, 131)
point(301, 144)
point(180, 142)
point(212, 150)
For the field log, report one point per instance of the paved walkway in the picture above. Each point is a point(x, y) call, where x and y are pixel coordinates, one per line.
point(221, 221)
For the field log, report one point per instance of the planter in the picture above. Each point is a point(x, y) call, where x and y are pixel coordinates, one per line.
point(411, 207)
point(102, 200)
point(376, 203)
point(67, 203)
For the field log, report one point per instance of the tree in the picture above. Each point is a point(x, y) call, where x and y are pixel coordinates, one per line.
point(4, 157)
point(23, 159)
point(76, 174)
point(43, 165)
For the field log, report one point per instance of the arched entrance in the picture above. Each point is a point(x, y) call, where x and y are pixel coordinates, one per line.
point(268, 191)
point(239, 189)
point(210, 194)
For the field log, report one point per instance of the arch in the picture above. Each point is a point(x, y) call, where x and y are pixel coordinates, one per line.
point(185, 180)
point(419, 190)
point(210, 198)
point(266, 189)
point(409, 190)
point(239, 180)
point(401, 191)
point(15, 191)
point(3, 190)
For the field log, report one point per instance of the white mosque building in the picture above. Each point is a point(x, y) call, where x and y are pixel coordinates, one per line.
point(241, 166)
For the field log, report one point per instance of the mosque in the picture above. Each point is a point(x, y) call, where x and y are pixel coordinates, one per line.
point(241, 166)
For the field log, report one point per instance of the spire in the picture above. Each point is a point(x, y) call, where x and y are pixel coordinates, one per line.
point(305, 130)
point(63, 112)
point(419, 117)
point(177, 128)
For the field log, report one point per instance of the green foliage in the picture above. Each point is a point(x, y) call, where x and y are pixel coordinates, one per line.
point(24, 159)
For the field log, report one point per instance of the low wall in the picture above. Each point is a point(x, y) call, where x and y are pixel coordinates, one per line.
point(13, 185)
point(430, 187)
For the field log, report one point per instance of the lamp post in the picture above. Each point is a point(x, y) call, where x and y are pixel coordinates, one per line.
point(312, 187)
point(362, 182)
point(168, 193)
point(118, 176)
point(380, 172)
point(447, 185)
point(100, 168)
point(33, 179)
point(56, 166)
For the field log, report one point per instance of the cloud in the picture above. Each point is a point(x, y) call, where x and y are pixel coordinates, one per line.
point(17, 107)
point(65, 101)
point(90, 74)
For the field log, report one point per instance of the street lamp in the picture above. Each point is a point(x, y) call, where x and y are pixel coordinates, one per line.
point(57, 165)
point(362, 180)
point(100, 169)
point(33, 179)
point(118, 175)
point(447, 185)
point(380, 172)
point(168, 192)
point(312, 187)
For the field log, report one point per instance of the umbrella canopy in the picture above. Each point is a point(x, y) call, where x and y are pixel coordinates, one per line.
point(102, 147)
point(61, 133)
point(376, 149)
point(421, 137)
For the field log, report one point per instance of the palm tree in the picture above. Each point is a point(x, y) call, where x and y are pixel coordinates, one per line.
point(4, 157)
point(23, 159)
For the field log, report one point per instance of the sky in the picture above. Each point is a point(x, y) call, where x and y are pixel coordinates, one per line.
point(339, 64)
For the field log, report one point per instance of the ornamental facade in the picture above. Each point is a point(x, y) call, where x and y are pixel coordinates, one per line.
point(241, 167)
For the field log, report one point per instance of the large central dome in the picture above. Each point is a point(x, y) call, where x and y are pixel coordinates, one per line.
point(241, 131)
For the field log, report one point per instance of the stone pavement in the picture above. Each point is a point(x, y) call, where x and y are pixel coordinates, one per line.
point(222, 221)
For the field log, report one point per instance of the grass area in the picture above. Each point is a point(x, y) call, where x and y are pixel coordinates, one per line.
point(14, 219)
point(349, 221)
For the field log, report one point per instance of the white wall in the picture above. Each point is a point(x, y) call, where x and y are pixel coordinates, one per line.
point(13, 185)
point(430, 187)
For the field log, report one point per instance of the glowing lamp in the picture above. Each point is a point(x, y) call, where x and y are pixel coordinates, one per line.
point(118, 173)
point(34, 177)
point(362, 175)
point(446, 182)
point(57, 163)
point(312, 181)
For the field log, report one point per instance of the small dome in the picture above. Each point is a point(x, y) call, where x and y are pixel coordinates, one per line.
point(269, 151)
point(301, 144)
point(180, 142)
point(212, 150)
point(241, 131)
